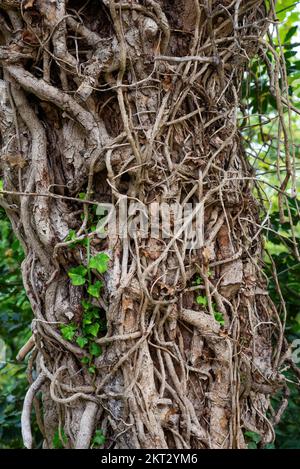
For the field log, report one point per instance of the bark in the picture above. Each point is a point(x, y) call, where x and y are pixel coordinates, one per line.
point(139, 100)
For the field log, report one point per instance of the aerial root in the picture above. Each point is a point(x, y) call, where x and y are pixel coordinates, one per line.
point(86, 427)
point(25, 417)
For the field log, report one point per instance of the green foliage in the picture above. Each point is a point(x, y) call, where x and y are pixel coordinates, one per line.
point(94, 290)
point(252, 439)
point(198, 280)
point(98, 439)
point(290, 33)
point(92, 329)
point(12, 391)
point(92, 324)
point(95, 349)
point(265, 152)
point(92, 369)
point(77, 275)
point(257, 90)
point(288, 276)
point(99, 262)
point(73, 237)
point(219, 317)
point(59, 439)
point(15, 318)
point(68, 331)
point(288, 430)
point(201, 300)
point(82, 341)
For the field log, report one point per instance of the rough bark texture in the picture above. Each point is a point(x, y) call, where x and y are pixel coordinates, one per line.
point(139, 99)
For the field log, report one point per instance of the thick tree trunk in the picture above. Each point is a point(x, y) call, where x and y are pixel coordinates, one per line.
point(138, 100)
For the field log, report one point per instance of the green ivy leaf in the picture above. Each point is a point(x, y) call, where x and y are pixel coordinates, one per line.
point(98, 439)
point(71, 235)
point(77, 275)
point(85, 360)
point(68, 331)
point(81, 341)
point(93, 329)
point(87, 305)
point(219, 317)
point(201, 300)
point(198, 280)
point(95, 349)
point(99, 262)
point(94, 290)
point(92, 369)
point(87, 318)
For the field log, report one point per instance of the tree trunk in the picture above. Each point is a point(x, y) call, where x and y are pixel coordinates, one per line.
point(137, 101)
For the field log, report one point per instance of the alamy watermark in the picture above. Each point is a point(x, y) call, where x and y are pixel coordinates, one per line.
point(133, 219)
point(295, 346)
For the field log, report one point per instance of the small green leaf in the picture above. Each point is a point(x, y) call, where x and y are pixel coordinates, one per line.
point(93, 329)
point(71, 235)
point(95, 349)
point(290, 33)
point(219, 317)
point(86, 305)
point(85, 360)
point(99, 262)
point(59, 442)
point(198, 280)
point(98, 439)
point(81, 341)
point(94, 290)
point(82, 195)
point(89, 316)
point(201, 300)
point(92, 369)
point(94, 312)
point(68, 331)
point(77, 275)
